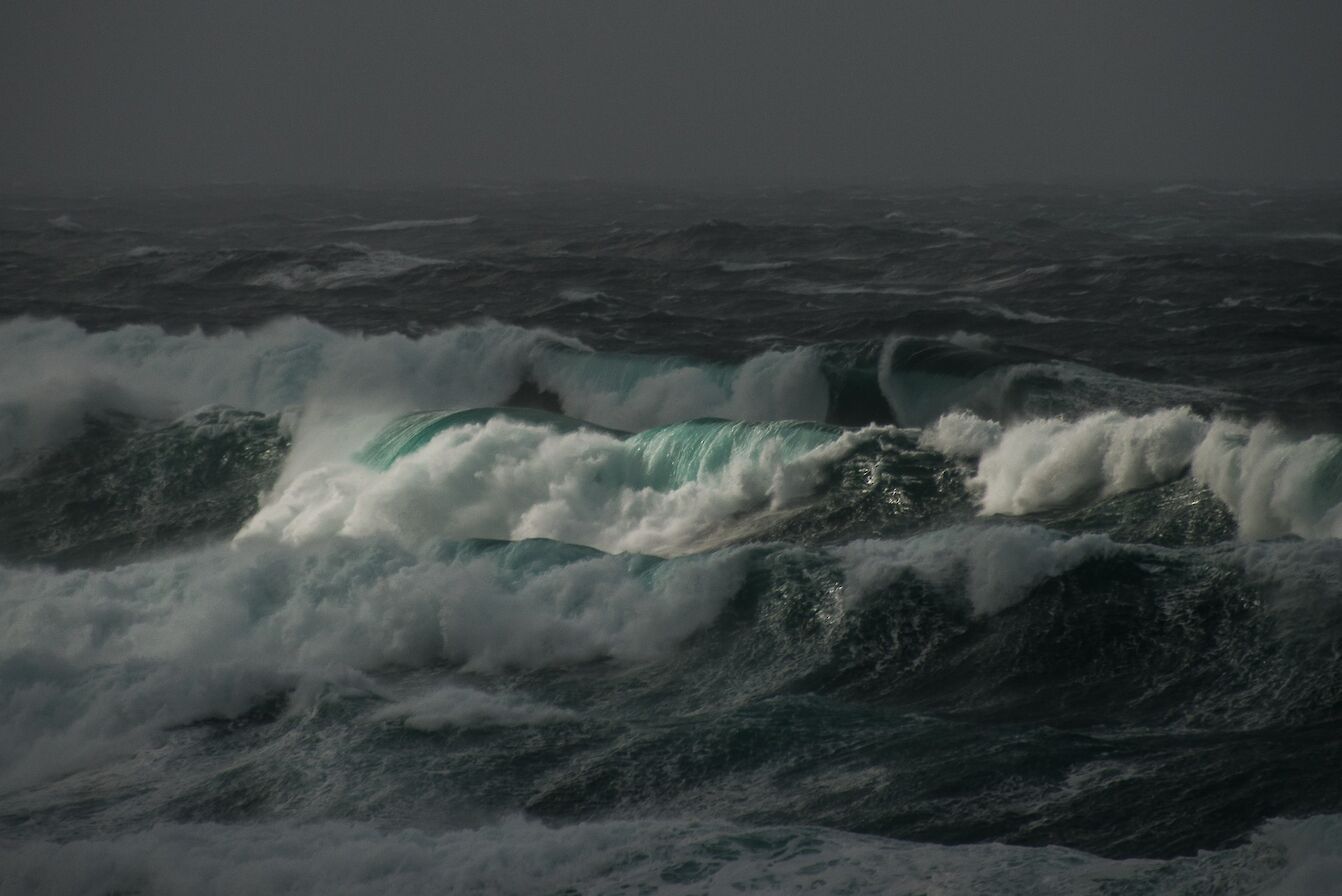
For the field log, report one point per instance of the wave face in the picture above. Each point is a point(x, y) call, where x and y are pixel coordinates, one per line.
point(572, 540)
point(126, 486)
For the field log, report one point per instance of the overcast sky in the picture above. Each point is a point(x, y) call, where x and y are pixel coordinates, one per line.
point(405, 91)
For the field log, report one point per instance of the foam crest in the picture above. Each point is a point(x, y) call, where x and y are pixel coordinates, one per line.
point(994, 567)
point(1275, 485)
point(347, 385)
point(681, 453)
point(288, 363)
point(660, 491)
point(98, 662)
point(1055, 463)
point(961, 434)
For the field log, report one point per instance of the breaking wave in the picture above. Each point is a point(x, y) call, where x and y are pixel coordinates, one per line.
point(102, 662)
point(1274, 483)
point(321, 374)
point(509, 475)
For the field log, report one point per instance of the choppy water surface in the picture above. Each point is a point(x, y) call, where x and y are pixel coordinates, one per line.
point(590, 540)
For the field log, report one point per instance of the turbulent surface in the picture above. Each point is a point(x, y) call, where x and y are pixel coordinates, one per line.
point(585, 540)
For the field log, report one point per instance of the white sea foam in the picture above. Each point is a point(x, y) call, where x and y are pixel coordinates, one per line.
point(964, 339)
point(368, 266)
point(994, 567)
point(288, 362)
point(454, 706)
point(1053, 463)
point(53, 373)
point(961, 434)
point(94, 663)
point(510, 479)
point(1275, 484)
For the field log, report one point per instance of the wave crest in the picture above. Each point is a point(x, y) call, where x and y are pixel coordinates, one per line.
point(501, 475)
point(1273, 483)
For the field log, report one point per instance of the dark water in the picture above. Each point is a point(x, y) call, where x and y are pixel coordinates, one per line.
point(586, 540)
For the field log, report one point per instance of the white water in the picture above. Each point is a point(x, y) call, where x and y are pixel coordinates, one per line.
point(1274, 484)
point(95, 663)
point(993, 567)
point(345, 386)
point(509, 479)
point(368, 266)
point(461, 707)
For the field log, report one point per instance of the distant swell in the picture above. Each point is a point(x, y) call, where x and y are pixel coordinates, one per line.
point(413, 224)
point(354, 266)
point(923, 379)
point(105, 663)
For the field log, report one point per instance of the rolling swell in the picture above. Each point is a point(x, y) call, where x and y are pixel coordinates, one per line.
point(1083, 697)
point(630, 610)
point(1089, 678)
point(1274, 483)
point(145, 371)
point(911, 381)
point(924, 379)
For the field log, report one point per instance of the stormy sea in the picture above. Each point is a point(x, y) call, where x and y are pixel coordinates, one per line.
point(588, 539)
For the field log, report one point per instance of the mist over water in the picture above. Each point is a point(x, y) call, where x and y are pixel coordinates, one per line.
point(758, 91)
point(600, 539)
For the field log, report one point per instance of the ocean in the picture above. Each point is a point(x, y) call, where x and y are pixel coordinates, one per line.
point(596, 539)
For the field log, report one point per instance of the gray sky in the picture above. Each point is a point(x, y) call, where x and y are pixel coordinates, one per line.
point(409, 91)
